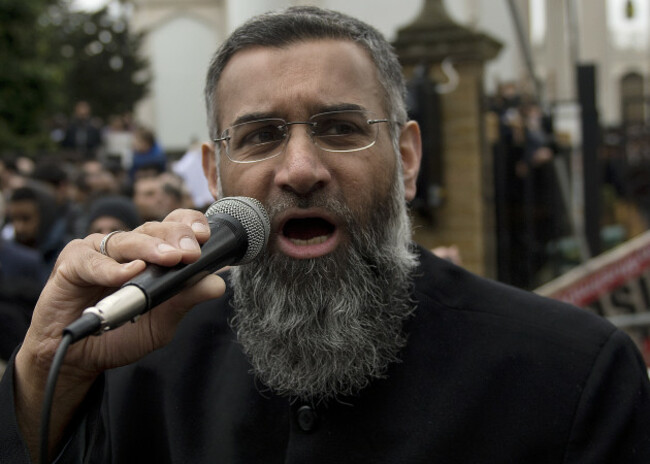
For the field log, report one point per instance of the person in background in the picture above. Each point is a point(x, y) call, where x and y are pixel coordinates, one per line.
point(22, 276)
point(82, 136)
point(12, 174)
point(93, 180)
point(190, 168)
point(52, 173)
point(148, 197)
point(32, 210)
point(108, 214)
point(118, 142)
point(175, 191)
point(147, 153)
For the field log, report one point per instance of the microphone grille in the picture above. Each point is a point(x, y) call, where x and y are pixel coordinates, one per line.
point(252, 216)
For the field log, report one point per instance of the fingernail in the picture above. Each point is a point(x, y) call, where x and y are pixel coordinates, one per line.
point(165, 248)
point(200, 228)
point(187, 243)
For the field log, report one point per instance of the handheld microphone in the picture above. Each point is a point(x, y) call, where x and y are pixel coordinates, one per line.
point(240, 229)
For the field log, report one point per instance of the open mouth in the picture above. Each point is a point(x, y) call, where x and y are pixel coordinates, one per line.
point(308, 231)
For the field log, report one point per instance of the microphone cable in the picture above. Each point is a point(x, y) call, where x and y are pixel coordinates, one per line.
point(88, 323)
point(48, 397)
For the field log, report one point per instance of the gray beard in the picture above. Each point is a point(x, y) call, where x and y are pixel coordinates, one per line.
point(320, 328)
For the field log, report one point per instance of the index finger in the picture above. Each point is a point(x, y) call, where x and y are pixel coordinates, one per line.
point(194, 219)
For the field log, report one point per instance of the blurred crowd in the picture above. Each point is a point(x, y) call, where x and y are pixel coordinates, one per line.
point(532, 171)
point(102, 178)
point(530, 211)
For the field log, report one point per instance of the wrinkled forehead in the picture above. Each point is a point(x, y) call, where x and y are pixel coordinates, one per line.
point(297, 80)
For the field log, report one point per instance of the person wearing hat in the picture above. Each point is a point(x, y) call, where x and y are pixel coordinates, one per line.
point(108, 214)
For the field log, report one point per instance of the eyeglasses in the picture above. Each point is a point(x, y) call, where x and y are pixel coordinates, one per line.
point(335, 131)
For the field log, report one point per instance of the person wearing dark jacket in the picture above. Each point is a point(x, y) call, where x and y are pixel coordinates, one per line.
point(33, 213)
point(343, 341)
point(114, 212)
point(82, 137)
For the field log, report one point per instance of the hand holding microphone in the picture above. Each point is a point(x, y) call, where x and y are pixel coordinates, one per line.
point(85, 279)
point(239, 229)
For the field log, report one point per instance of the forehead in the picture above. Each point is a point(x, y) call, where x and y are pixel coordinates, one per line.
point(106, 221)
point(146, 184)
point(297, 80)
point(23, 208)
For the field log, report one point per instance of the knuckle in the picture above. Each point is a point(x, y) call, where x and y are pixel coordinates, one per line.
point(75, 247)
point(76, 251)
point(179, 228)
point(184, 215)
point(167, 231)
point(149, 227)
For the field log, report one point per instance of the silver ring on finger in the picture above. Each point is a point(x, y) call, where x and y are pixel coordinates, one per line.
point(104, 242)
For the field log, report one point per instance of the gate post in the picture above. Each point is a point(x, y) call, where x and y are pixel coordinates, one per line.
point(466, 215)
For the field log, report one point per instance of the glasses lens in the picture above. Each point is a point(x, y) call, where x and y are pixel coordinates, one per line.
point(342, 131)
point(256, 140)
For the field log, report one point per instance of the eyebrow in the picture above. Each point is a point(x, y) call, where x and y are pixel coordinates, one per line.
point(340, 107)
point(253, 117)
point(317, 109)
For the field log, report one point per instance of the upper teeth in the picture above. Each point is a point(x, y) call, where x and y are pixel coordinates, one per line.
point(312, 241)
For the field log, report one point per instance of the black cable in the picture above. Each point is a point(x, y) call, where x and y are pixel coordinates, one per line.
point(86, 325)
point(49, 394)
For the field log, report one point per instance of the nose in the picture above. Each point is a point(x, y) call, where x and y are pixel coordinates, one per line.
point(301, 169)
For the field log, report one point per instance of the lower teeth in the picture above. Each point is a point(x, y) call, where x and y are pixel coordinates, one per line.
point(311, 241)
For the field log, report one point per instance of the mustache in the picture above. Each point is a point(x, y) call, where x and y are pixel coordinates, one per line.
point(316, 199)
point(333, 204)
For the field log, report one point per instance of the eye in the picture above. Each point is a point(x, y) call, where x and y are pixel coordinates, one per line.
point(258, 134)
point(256, 140)
point(337, 127)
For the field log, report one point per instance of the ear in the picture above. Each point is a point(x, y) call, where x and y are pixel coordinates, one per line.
point(209, 162)
point(410, 147)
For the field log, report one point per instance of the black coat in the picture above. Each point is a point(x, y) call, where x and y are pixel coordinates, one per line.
point(490, 374)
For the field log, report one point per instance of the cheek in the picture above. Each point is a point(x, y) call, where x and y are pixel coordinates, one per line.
point(246, 180)
point(367, 180)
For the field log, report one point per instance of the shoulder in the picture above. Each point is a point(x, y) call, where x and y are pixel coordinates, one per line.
point(528, 361)
point(15, 251)
point(443, 287)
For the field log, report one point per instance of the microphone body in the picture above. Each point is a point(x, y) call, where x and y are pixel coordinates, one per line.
point(239, 229)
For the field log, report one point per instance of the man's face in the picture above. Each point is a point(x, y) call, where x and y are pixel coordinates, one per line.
point(97, 178)
point(294, 83)
point(319, 314)
point(25, 217)
point(148, 198)
point(82, 110)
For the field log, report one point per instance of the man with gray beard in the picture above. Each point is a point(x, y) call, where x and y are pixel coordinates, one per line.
point(344, 342)
point(339, 323)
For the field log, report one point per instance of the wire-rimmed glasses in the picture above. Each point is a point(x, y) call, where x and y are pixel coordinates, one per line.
point(343, 131)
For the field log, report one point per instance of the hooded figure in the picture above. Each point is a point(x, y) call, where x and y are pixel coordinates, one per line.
point(112, 213)
point(33, 214)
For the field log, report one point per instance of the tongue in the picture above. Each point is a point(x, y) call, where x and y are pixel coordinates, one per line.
point(306, 229)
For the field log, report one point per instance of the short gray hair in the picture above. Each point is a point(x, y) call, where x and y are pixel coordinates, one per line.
point(298, 24)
